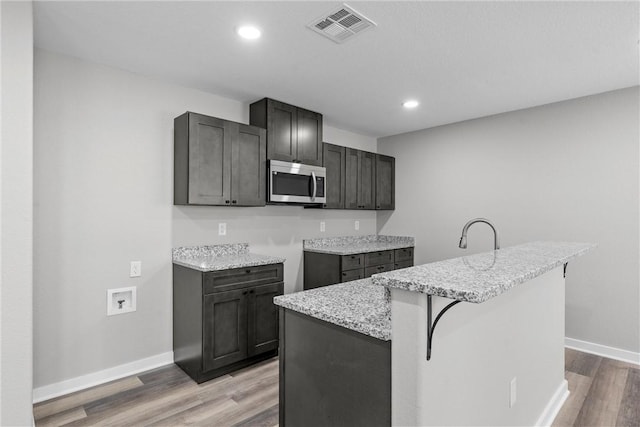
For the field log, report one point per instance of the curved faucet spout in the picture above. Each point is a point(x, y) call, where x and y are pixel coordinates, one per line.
point(463, 238)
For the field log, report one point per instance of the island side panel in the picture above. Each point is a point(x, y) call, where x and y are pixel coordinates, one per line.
point(332, 376)
point(477, 350)
point(187, 319)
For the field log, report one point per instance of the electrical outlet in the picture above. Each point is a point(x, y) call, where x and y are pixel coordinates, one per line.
point(357, 225)
point(135, 269)
point(222, 229)
point(121, 300)
point(512, 393)
point(322, 226)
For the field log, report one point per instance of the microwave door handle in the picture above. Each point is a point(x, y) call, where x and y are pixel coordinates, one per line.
point(315, 186)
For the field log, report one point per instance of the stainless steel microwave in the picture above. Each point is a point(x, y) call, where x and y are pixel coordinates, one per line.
point(296, 183)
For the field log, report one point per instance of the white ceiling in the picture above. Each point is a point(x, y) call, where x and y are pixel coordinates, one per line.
point(461, 60)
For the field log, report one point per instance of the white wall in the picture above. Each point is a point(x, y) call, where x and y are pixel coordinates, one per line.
point(565, 171)
point(16, 213)
point(475, 354)
point(103, 197)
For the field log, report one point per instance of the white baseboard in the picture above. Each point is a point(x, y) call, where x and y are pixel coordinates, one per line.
point(554, 405)
point(50, 391)
point(603, 350)
point(96, 378)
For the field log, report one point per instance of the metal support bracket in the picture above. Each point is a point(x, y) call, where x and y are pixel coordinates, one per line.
point(432, 326)
point(564, 273)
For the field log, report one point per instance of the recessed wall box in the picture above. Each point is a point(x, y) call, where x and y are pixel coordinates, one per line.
point(121, 300)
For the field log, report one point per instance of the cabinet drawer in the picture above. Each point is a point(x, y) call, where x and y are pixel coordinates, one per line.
point(377, 269)
point(349, 262)
point(404, 254)
point(347, 276)
point(220, 281)
point(403, 264)
point(378, 258)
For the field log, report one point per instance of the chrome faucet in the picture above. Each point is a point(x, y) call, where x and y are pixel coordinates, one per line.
point(463, 238)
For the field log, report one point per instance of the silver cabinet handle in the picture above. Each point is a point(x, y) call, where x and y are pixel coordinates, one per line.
point(315, 186)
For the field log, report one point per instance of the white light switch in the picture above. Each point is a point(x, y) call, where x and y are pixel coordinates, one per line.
point(357, 225)
point(222, 229)
point(322, 226)
point(512, 394)
point(135, 269)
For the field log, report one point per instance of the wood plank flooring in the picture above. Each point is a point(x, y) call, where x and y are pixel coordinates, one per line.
point(604, 392)
point(168, 397)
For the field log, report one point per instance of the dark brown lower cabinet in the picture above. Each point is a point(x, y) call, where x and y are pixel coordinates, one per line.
point(224, 320)
point(322, 269)
point(263, 319)
point(225, 329)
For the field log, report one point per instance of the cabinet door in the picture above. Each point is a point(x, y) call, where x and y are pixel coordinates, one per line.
point(263, 318)
point(367, 172)
point(352, 179)
point(309, 147)
point(209, 160)
point(249, 158)
point(334, 162)
point(225, 329)
point(385, 182)
point(282, 131)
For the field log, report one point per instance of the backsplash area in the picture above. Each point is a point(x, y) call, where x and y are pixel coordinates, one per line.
point(271, 230)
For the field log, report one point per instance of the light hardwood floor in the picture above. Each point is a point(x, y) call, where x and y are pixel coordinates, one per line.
point(604, 392)
point(168, 397)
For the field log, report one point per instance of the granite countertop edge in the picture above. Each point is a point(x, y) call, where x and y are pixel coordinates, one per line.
point(478, 296)
point(357, 305)
point(231, 262)
point(352, 250)
point(353, 325)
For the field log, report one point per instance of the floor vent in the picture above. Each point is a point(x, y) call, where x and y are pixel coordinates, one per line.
point(342, 24)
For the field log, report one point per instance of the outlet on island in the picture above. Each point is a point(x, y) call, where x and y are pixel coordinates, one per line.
point(513, 392)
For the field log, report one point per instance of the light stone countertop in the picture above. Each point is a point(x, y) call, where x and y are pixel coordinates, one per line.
point(350, 245)
point(478, 278)
point(221, 257)
point(358, 305)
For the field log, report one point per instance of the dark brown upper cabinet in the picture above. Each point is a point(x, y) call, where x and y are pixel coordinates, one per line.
point(218, 162)
point(293, 133)
point(335, 162)
point(385, 182)
point(360, 179)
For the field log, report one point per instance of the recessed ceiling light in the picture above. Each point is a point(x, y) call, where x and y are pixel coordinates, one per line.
point(249, 32)
point(412, 103)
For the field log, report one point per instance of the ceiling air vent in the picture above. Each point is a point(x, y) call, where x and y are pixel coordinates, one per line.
point(342, 24)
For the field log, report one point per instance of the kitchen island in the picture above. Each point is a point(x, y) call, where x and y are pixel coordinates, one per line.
point(356, 353)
